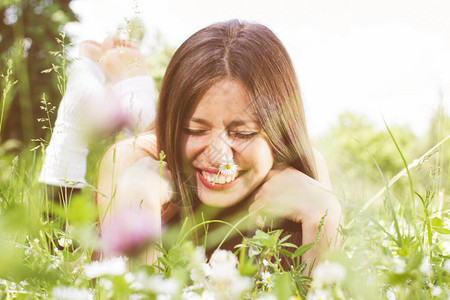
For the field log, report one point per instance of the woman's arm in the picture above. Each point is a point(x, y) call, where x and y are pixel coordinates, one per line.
point(289, 193)
point(129, 179)
point(328, 235)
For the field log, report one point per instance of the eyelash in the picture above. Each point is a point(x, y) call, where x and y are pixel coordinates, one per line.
point(235, 134)
point(244, 136)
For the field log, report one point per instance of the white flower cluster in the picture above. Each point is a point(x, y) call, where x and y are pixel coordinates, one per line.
point(325, 275)
point(164, 288)
point(329, 273)
point(71, 293)
point(218, 280)
point(110, 266)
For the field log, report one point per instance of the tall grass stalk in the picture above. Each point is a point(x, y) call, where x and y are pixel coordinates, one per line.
point(403, 172)
point(7, 85)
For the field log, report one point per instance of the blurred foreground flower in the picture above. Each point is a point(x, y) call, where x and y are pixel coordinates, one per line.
point(105, 117)
point(128, 232)
point(109, 266)
point(71, 293)
point(329, 273)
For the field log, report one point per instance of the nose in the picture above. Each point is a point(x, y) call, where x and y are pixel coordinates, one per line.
point(219, 149)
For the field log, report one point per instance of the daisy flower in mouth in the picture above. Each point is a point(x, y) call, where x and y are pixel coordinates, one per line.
point(228, 168)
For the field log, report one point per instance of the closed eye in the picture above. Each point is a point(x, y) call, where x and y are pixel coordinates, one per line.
point(194, 131)
point(243, 135)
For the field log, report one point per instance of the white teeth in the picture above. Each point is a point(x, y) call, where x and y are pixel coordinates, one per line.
point(220, 179)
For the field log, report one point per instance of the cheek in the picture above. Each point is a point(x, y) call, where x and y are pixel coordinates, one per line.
point(192, 146)
point(259, 156)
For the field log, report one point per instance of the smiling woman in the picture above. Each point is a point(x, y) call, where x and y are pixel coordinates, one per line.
point(231, 122)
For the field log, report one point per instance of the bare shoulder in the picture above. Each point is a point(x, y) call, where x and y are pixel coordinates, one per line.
point(125, 153)
point(322, 169)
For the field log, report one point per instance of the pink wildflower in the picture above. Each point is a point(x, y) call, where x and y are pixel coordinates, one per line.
point(128, 232)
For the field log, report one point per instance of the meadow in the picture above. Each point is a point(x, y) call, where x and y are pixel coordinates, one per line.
point(395, 236)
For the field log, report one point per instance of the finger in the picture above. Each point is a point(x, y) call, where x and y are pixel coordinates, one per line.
point(118, 42)
point(256, 213)
point(107, 44)
point(90, 42)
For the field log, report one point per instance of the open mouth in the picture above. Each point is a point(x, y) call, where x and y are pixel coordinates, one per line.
point(216, 180)
point(218, 177)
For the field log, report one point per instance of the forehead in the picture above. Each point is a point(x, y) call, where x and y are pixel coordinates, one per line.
point(226, 98)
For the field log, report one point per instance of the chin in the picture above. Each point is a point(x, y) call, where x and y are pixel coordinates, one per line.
point(218, 199)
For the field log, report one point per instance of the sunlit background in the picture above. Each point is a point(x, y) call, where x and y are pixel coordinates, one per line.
point(384, 59)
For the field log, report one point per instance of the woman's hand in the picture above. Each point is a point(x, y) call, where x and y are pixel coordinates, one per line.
point(121, 60)
point(289, 193)
point(91, 50)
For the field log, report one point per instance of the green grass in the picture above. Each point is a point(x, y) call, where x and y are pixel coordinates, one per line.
point(395, 236)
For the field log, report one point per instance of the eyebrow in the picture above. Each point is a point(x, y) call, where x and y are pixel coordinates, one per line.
point(234, 123)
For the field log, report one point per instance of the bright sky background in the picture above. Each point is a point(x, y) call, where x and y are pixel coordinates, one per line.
point(383, 58)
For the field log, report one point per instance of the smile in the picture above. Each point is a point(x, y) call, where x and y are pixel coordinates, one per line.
point(217, 181)
point(218, 178)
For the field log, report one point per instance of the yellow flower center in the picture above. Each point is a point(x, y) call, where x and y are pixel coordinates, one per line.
point(227, 167)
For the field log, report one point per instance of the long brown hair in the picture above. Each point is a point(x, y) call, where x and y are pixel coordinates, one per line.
point(253, 55)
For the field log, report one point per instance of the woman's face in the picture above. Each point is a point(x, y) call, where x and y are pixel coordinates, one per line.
point(224, 126)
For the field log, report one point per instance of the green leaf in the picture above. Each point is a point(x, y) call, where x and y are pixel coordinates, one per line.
point(253, 251)
point(302, 249)
point(436, 222)
point(283, 286)
point(289, 245)
point(441, 230)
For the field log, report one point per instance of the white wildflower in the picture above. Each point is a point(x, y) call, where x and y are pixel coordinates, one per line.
point(70, 293)
point(239, 286)
point(190, 295)
point(110, 266)
point(63, 242)
point(23, 283)
point(436, 291)
point(390, 295)
point(223, 267)
point(318, 295)
point(228, 168)
point(223, 257)
point(105, 284)
point(399, 265)
point(425, 266)
point(28, 252)
point(265, 278)
point(129, 277)
point(446, 247)
point(329, 273)
point(36, 241)
point(267, 297)
point(199, 257)
point(162, 286)
point(140, 280)
point(447, 265)
point(137, 297)
point(208, 295)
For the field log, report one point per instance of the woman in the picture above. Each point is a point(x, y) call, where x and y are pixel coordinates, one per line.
point(231, 123)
